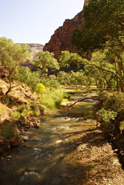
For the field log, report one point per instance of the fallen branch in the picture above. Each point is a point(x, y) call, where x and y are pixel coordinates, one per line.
point(80, 100)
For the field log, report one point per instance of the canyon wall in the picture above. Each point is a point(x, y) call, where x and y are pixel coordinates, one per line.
point(61, 39)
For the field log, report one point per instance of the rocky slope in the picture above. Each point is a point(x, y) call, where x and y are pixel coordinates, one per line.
point(61, 39)
point(34, 48)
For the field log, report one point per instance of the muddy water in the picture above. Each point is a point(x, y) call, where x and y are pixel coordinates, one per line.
point(45, 158)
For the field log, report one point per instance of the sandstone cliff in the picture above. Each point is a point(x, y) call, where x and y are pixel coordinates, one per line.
point(61, 39)
point(34, 48)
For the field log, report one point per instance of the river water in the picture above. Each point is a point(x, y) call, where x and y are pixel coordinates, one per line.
point(45, 158)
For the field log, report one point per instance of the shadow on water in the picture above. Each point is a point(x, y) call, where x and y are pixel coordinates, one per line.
point(47, 163)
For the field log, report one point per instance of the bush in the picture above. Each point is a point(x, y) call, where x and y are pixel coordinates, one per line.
point(107, 116)
point(15, 115)
point(115, 102)
point(66, 96)
point(42, 108)
point(52, 99)
point(40, 88)
point(8, 129)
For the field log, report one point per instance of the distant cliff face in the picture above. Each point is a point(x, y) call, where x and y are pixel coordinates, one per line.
point(61, 39)
point(34, 49)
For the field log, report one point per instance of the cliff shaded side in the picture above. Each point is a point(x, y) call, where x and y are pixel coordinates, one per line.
point(61, 39)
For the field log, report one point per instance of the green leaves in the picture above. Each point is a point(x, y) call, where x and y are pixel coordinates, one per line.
point(103, 21)
point(66, 59)
point(107, 116)
point(44, 61)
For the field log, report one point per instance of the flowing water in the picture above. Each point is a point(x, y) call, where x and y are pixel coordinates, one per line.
point(45, 158)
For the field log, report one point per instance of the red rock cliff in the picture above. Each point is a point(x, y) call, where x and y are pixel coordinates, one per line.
point(61, 39)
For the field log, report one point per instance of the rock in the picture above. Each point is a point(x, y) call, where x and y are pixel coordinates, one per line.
point(61, 39)
point(24, 138)
point(61, 156)
point(25, 129)
point(31, 124)
point(8, 147)
point(1, 150)
point(14, 141)
point(6, 141)
point(36, 125)
point(28, 146)
point(58, 142)
point(1, 142)
point(9, 157)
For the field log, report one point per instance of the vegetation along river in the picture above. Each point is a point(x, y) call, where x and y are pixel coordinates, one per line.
point(63, 151)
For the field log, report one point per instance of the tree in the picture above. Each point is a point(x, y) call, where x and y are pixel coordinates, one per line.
point(66, 59)
point(104, 29)
point(103, 22)
point(44, 61)
point(106, 70)
point(28, 77)
point(11, 56)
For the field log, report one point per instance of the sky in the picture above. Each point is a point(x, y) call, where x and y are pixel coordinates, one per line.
point(34, 21)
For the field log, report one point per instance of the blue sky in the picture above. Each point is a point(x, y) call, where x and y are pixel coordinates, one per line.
point(34, 21)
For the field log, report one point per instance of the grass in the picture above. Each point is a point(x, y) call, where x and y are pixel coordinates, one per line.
point(91, 165)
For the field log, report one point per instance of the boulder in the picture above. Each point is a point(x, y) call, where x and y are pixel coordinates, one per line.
point(14, 142)
point(58, 142)
point(36, 125)
point(24, 138)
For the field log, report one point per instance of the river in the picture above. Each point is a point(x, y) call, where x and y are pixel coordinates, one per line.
point(47, 157)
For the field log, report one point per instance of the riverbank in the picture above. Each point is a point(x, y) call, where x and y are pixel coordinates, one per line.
point(93, 162)
point(64, 150)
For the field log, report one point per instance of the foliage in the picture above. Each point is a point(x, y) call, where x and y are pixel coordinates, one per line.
point(66, 59)
point(72, 78)
point(50, 81)
point(8, 130)
point(106, 116)
point(115, 102)
point(11, 56)
point(42, 108)
point(15, 115)
point(121, 127)
point(92, 165)
point(106, 71)
point(66, 96)
point(103, 22)
point(52, 99)
point(40, 88)
point(25, 75)
point(44, 61)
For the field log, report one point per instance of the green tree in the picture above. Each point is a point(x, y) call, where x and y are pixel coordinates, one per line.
point(104, 29)
point(66, 59)
point(28, 77)
point(11, 56)
point(103, 22)
point(44, 61)
point(105, 70)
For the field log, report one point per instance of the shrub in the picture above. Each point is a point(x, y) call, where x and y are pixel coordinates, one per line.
point(66, 96)
point(15, 115)
point(115, 102)
point(52, 99)
point(8, 129)
point(40, 88)
point(107, 116)
point(42, 108)
point(121, 127)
